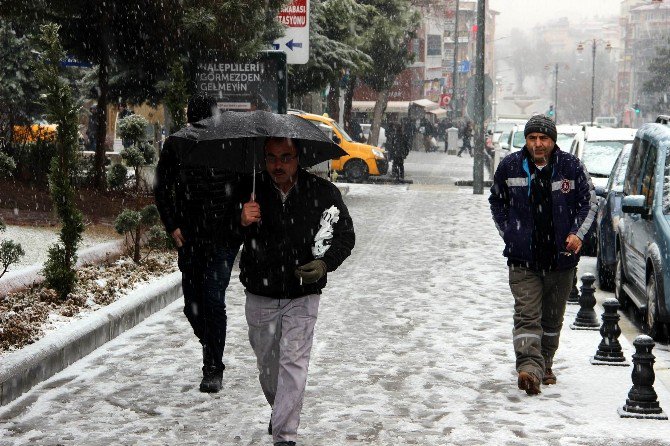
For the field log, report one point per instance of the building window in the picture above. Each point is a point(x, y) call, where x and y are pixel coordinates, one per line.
point(434, 45)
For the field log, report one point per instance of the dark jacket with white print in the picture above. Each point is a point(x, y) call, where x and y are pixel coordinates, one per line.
point(284, 238)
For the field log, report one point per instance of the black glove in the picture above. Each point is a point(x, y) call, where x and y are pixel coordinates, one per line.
point(311, 272)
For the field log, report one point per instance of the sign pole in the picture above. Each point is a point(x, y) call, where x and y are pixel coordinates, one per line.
point(478, 168)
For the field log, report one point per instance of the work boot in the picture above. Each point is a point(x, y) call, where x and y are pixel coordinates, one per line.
point(529, 383)
point(212, 379)
point(549, 377)
point(212, 374)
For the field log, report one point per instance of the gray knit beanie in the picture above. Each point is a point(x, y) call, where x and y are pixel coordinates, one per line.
point(540, 124)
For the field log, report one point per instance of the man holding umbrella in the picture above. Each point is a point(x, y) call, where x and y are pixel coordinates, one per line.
point(200, 210)
point(296, 230)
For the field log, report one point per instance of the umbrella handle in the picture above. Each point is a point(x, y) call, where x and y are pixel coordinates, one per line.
point(253, 184)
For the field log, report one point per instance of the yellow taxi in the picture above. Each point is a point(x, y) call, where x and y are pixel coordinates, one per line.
point(361, 160)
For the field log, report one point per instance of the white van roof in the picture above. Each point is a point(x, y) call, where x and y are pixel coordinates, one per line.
point(609, 134)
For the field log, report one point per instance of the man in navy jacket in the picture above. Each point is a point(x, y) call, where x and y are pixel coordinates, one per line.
point(543, 203)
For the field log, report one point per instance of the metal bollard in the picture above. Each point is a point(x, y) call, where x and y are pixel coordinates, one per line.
point(609, 351)
point(642, 401)
point(586, 317)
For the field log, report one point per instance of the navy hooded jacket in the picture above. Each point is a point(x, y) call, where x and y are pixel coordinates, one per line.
point(574, 205)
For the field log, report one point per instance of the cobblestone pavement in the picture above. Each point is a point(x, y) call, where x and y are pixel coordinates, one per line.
point(412, 346)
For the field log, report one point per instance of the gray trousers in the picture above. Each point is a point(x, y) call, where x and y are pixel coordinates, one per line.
point(281, 333)
point(539, 306)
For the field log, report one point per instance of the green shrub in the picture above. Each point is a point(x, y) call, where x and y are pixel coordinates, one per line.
point(133, 225)
point(33, 160)
point(60, 275)
point(117, 177)
point(7, 165)
point(10, 251)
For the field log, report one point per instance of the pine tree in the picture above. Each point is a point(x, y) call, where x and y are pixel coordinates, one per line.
point(59, 269)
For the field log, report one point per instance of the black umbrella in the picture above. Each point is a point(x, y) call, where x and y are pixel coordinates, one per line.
point(235, 140)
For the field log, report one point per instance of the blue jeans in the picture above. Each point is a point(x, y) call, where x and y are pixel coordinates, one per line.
point(206, 272)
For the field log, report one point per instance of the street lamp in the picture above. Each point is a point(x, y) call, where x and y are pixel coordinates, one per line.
point(580, 48)
point(555, 105)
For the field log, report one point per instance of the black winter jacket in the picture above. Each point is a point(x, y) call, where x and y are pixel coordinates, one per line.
point(284, 238)
point(202, 201)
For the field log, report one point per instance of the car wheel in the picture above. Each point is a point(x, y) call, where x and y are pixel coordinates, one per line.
point(605, 274)
point(651, 325)
point(619, 280)
point(356, 170)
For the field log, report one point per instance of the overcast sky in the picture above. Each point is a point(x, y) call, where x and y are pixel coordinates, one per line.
point(527, 13)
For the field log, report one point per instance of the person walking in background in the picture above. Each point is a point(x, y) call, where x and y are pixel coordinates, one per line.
point(543, 203)
point(467, 135)
point(296, 229)
point(199, 208)
point(396, 147)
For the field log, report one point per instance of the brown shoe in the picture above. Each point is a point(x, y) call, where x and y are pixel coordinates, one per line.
point(549, 377)
point(529, 383)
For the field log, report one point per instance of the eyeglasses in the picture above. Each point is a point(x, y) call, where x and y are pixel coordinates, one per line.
point(284, 159)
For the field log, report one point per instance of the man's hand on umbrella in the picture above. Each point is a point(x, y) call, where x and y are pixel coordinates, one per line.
point(573, 243)
point(179, 239)
point(251, 213)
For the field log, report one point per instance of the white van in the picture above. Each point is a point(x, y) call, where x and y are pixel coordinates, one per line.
point(606, 121)
point(502, 129)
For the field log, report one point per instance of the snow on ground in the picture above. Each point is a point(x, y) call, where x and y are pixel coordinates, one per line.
point(35, 241)
point(413, 346)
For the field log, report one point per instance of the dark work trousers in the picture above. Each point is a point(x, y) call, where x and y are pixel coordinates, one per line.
point(539, 305)
point(205, 272)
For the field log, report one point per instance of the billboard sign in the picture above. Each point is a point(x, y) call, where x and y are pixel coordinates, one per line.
point(258, 84)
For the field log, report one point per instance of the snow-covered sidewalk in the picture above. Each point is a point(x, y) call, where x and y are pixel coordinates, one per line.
point(413, 346)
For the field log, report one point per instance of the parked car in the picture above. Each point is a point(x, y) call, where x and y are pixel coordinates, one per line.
point(361, 161)
point(382, 134)
point(566, 133)
point(516, 139)
point(643, 234)
point(609, 214)
point(502, 129)
point(598, 149)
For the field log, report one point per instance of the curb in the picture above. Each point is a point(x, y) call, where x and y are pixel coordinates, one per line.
point(23, 369)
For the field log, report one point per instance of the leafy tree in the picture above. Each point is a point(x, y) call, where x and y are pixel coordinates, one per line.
point(176, 96)
point(62, 110)
point(132, 42)
point(336, 27)
point(387, 43)
point(18, 90)
point(658, 81)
